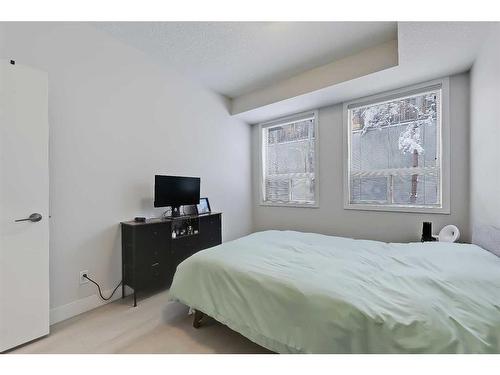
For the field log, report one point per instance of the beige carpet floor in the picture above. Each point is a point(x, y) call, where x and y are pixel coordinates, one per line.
point(154, 326)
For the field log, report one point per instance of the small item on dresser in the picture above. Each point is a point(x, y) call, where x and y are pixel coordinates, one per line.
point(140, 219)
point(203, 206)
point(189, 209)
point(427, 232)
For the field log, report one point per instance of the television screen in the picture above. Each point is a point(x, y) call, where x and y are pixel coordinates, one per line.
point(175, 191)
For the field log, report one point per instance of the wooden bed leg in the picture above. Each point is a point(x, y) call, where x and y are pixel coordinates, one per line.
point(198, 315)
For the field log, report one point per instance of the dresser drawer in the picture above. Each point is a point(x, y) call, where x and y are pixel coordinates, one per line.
point(148, 235)
point(152, 275)
point(184, 247)
point(151, 245)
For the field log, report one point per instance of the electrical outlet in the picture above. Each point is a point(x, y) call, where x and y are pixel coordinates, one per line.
point(83, 280)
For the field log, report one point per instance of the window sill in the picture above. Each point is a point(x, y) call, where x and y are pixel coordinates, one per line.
point(390, 208)
point(295, 205)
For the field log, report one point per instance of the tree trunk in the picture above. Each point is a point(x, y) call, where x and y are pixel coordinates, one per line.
point(414, 179)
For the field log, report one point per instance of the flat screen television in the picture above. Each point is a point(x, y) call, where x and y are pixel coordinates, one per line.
point(176, 191)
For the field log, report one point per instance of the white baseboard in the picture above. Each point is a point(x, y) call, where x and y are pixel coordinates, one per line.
point(60, 313)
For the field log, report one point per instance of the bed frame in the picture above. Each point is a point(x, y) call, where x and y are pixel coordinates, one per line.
point(197, 317)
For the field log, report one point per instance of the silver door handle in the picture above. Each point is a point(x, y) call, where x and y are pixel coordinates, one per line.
point(33, 218)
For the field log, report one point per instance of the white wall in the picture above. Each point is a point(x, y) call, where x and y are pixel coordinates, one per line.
point(117, 118)
point(485, 144)
point(331, 218)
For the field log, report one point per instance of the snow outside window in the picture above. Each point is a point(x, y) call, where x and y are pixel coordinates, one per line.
point(288, 162)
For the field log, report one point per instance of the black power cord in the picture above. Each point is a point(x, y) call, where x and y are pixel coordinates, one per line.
point(99, 288)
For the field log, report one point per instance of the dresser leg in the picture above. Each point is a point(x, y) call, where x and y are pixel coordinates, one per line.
point(135, 298)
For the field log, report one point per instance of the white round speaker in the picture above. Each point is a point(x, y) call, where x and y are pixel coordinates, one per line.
point(449, 233)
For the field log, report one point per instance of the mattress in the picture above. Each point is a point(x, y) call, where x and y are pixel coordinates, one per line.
point(294, 292)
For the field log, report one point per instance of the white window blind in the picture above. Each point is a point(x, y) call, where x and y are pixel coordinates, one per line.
point(395, 150)
point(289, 161)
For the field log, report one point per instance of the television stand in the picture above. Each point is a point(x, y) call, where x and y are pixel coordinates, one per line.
point(152, 250)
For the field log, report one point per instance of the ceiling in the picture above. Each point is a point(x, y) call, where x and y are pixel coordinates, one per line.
point(236, 58)
point(271, 69)
point(426, 51)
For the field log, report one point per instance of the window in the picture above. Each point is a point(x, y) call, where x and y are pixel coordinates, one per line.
point(288, 164)
point(395, 159)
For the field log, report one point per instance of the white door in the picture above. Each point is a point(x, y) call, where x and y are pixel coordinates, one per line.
point(24, 190)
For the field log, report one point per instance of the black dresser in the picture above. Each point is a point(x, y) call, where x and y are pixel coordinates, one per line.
point(152, 250)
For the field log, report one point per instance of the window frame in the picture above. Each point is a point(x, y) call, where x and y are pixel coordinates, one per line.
point(443, 130)
point(283, 121)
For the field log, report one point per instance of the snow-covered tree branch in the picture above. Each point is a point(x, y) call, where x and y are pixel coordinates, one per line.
point(410, 111)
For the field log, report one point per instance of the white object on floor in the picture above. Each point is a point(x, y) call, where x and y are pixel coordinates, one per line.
point(449, 233)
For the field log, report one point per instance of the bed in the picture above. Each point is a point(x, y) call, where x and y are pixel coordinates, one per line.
point(294, 292)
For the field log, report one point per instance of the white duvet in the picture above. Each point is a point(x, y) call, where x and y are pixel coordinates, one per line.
point(295, 292)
